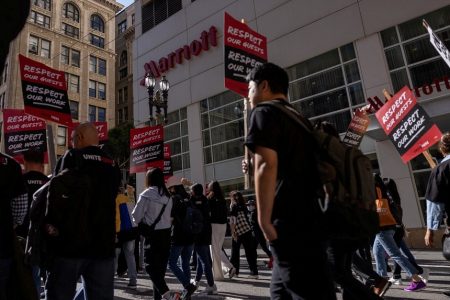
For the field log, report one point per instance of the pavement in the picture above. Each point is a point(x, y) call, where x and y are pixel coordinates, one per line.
point(258, 289)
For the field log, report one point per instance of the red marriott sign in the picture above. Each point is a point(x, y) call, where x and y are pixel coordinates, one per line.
point(164, 64)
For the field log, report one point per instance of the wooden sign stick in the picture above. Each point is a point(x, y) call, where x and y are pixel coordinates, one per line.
point(425, 153)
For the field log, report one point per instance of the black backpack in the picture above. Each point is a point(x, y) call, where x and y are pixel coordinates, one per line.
point(346, 175)
point(193, 220)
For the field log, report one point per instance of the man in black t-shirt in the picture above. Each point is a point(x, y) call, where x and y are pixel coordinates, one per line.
point(286, 184)
point(12, 203)
point(91, 255)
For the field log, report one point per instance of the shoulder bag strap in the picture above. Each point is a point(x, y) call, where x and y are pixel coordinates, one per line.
point(158, 218)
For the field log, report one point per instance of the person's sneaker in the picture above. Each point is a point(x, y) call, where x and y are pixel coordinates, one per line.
point(210, 290)
point(188, 291)
point(381, 286)
point(415, 286)
point(232, 272)
point(132, 285)
point(425, 275)
point(195, 283)
point(396, 281)
point(172, 296)
point(251, 276)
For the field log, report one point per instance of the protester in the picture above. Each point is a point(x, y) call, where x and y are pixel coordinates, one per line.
point(286, 184)
point(153, 211)
point(219, 212)
point(385, 243)
point(202, 241)
point(12, 212)
point(242, 233)
point(182, 242)
point(257, 233)
point(438, 193)
point(127, 233)
point(82, 232)
point(34, 180)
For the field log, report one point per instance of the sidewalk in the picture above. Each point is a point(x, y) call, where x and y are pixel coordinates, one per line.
point(243, 288)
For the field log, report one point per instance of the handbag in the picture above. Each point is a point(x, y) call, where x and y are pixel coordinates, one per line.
point(446, 245)
point(384, 211)
point(146, 230)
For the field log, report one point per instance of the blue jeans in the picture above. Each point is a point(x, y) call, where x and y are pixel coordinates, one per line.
point(98, 275)
point(5, 276)
point(128, 252)
point(385, 243)
point(204, 262)
point(183, 274)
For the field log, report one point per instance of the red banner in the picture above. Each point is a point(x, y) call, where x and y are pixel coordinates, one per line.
point(23, 132)
point(244, 50)
point(44, 91)
point(102, 129)
point(168, 171)
point(146, 148)
point(407, 124)
point(357, 128)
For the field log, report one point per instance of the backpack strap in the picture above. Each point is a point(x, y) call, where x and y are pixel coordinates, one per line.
point(290, 112)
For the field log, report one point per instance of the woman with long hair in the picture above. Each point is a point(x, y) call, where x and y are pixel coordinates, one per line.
point(219, 211)
point(153, 209)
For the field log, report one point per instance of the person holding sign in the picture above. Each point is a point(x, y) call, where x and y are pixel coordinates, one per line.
point(438, 193)
point(286, 181)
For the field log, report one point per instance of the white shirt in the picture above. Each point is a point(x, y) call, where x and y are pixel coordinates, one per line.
point(149, 206)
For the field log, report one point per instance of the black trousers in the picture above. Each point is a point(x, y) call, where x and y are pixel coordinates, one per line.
point(156, 256)
point(249, 243)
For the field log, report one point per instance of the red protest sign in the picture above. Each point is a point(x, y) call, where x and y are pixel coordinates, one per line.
point(44, 91)
point(168, 171)
point(102, 129)
point(407, 125)
point(357, 128)
point(23, 132)
point(244, 50)
point(146, 148)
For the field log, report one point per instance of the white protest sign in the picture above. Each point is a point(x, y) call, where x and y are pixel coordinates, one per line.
point(437, 43)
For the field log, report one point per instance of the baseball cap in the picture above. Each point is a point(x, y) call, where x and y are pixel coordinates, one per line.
point(172, 181)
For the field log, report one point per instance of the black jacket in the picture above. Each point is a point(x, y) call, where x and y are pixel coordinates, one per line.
point(179, 237)
point(219, 210)
point(438, 188)
point(204, 238)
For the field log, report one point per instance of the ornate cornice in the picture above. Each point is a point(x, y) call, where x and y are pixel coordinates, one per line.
point(115, 6)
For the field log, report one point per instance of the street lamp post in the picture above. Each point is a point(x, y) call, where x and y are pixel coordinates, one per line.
point(157, 99)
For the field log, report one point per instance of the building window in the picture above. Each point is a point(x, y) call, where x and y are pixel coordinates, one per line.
point(70, 56)
point(132, 19)
point(120, 96)
point(157, 11)
point(122, 26)
point(95, 87)
point(45, 4)
point(97, 23)
point(97, 41)
point(176, 135)
point(97, 65)
point(61, 136)
point(70, 11)
point(39, 46)
point(40, 19)
point(73, 83)
point(123, 58)
point(119, 116)
point(123, 95)
point(411, 58)
point(74, 109)
point(123, 73)
point(222, 127)
point(71, 31)
point(328, 87)
point(97, 114)
point(125, 113)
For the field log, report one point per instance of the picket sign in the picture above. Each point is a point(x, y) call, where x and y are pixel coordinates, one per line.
point(426, 153)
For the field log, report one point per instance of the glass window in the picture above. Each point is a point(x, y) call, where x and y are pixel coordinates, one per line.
point(70, 11)
point(74, 109)
point(70, 30)
point(45, 4)
point(352, 72)
point(101, 114)
point(45, 48)
point(394, 58)
point(101, 91)
point(65, 55)
point(311, 66)
point(97, 41)
point(123, 58)
point(92, 89)
point(40, 19)
point(120, 96)
point(61, 136)
point(348, 52)
point(119, 116)
point(75, 58)
point(157, 11)
point(125, 113)
point(33, 45)
point(101, 66)
point(122, 26)
point(177, 140)
point(97, 23)
point(92, 64)
point(92, 113)
point(74, 83)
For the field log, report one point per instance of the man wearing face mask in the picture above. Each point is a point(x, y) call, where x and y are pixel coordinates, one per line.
point(259, 236)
